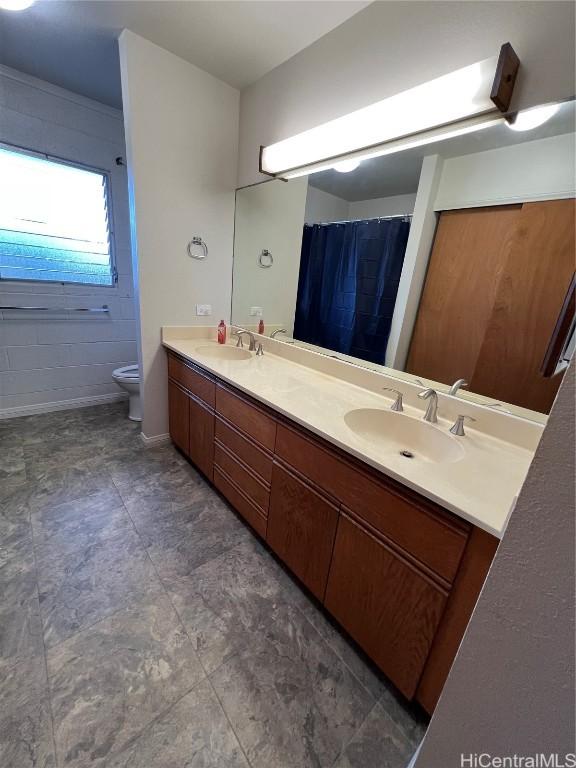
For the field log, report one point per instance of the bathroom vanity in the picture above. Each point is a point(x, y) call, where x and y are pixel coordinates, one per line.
point(400, 572)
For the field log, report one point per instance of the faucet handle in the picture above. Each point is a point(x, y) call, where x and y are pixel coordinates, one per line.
point(397, 404)
point(458, 427)
point(239, 343)
point(259, 350)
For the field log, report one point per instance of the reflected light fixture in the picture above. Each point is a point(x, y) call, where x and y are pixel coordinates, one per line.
point(532, 118)
point(462, 101)
point(345, 166)
point(16, 5)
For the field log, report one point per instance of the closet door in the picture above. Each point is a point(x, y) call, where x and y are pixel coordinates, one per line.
point(470, 252)
point(496, 282)
point(531, 290)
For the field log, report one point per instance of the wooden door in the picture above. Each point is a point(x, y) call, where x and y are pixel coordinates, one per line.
point(201, 449)
point(531, 291)
point(178, 418)
point(387, 605)
point(470, 252)
point(496, 282)
point(301, 529)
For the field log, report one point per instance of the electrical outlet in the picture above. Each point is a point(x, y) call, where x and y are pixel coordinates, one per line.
point(255, 311)
point(203, 309)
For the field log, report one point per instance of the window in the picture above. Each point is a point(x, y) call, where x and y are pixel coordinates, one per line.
point(54, 222)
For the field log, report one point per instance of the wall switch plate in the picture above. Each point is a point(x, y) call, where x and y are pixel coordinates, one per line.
point(203, 309)
point(255, 311)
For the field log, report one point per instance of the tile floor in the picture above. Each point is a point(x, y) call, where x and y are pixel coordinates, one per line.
point(142, 625)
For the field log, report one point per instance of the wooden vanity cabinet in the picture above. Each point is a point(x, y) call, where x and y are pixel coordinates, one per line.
point(399, 573)
point(390, 607)
point(301, 528)
point(201, 441)
point(179, 416)
point(191, 398)
point(243, 458)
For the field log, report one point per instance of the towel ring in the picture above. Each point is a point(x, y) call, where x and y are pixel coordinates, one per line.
point(265, 260)
point(197, 241)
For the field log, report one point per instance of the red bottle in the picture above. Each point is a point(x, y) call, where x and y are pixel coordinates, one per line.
point(261, 326)
point(221, 332)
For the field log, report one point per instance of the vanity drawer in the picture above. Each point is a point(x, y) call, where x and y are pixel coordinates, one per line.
point(427, 534)
point(191, 378)
point(247, 417)
point(253, 488)
point(254, 457)
point(240, 502)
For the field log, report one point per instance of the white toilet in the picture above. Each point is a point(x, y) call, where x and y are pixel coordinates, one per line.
point(128, 378)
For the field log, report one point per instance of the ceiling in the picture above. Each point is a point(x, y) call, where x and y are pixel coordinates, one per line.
point(399, 174)
point(72, 43)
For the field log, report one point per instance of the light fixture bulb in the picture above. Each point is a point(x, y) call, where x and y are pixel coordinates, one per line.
point(532, 118)
point(345, 166)
point(16, 5)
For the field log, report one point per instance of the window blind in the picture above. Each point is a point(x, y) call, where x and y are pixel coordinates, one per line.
point(54, 222)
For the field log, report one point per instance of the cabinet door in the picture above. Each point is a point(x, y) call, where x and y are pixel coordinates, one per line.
point(301, 529)
point(178, 418)
point(389, 607)
point(201, 450)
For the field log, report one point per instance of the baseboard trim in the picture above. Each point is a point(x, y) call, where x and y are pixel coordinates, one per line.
point(155, 440)
point(61, 405)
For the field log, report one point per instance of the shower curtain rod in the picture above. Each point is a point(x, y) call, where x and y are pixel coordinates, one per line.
point(368, 218)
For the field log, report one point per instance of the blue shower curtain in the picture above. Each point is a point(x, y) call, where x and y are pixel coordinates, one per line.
point(349, 275)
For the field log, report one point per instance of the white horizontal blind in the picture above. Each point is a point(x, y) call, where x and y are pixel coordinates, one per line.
point(54, 222)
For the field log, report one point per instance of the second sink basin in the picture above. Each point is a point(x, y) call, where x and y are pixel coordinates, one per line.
point(408, 437)
point(224, 352)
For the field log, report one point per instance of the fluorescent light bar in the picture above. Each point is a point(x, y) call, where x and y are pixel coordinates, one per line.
point(427, 137)
point(469, 92)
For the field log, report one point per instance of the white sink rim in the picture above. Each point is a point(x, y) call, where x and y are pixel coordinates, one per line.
point(397, 432)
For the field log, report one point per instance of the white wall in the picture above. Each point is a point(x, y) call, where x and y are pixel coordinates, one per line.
point(416, 259)
point(391, 46)
point(322, 207)
point(57, 360)
point(511, 688)
point(268, 216)
point(181, 134)
point(536, 170)
point(395, 205)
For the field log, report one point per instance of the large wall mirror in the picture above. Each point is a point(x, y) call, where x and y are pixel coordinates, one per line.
point(449, 261)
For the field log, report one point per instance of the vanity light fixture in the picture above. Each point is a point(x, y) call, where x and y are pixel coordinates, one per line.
point(463, 101)
point(346, 166)
point(533, 118)
point(16, 5)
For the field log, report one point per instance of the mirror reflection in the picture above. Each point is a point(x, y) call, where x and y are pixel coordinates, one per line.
point(451, 263)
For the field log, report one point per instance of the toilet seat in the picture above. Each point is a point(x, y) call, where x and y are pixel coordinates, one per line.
point(128, 372)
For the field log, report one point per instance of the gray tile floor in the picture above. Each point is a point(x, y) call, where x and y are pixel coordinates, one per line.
point(142, 624)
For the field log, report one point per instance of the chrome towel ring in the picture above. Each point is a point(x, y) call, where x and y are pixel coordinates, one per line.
point(265, 260)
point(197, 241)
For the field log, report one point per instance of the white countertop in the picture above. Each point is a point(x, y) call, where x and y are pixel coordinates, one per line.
point(481, 487)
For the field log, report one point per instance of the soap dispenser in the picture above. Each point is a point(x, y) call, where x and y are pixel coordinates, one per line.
point(221, 332)
point(261, 327)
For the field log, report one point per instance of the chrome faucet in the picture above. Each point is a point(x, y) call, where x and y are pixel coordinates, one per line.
point(456, 386)
point(277, 331)
point(240, 343)
point(431, 414)
point(397, 404)
point(458, 427)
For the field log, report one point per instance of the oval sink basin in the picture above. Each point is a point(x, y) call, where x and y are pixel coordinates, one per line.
point(223, 352)
point(403, 435)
